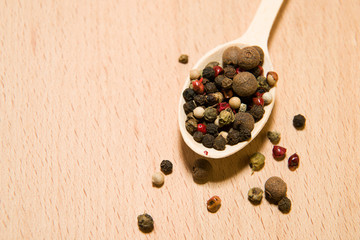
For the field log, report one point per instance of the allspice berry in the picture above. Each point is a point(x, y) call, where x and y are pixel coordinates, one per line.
point(261, 53)
point(201, 171)
point(255, 195)
point(284, 205)
point(248, 58)
point(226, 83)
point(244, 84)
point(145, 223)
point(257, 111)
point(275, 189)
point(244, 120)
point(230, 56)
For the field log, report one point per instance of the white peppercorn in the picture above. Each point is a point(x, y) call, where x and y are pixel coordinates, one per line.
point(158, 179)
point(199, 112)
point(194, 74)
point(234, 102)
point(217, 123)
point(224, 134)
point(267, 98)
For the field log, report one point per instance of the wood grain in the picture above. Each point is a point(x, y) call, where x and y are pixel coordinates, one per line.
point(89, 94)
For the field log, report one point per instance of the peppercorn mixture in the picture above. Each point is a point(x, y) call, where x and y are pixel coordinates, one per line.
point(228, 98)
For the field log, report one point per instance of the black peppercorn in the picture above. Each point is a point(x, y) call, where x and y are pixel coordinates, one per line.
point(189, 94)
point(212, 129)
point(210, 87)
point(226, 83)
point(166, 166)
point(189, 107)
point(284, 205)
point(219, 143)
point(200, 100)
point(145, 223)
point(233, 137)
point(198, 136)
point(256, 71)
point(208, 140)
point(211, 100)
point(257, 111)
point(208, 73)
point(299, 121)
point(245, 134)
point(230, 71)
point(218, 80)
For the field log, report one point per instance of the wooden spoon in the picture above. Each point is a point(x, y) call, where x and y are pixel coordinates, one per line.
point(257, 34)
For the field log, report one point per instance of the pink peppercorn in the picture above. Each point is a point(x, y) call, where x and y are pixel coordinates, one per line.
point(279, 152)
point(222, 106)
point(198, 86)
point(218, 70)
point(201, 128)
point(258, 101)
point(293, 162)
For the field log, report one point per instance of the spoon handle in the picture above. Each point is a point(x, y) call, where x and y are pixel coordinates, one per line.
point(259, 29)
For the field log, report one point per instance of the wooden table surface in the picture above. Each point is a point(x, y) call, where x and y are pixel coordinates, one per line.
point(88, 109)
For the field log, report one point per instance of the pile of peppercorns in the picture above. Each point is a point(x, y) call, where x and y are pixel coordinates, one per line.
point(223, 104)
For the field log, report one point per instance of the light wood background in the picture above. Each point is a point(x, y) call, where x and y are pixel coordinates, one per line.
point(88, 109)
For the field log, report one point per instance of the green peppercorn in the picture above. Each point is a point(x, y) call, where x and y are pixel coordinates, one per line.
point(262, 83)
point(255, 195)
point(210, 114)
point(226, 117)
point(273, 136)
point(145, 223)
point(191, 126)
point(257, 161)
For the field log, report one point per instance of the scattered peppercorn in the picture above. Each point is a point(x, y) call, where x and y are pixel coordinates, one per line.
point(248, 58)
point(202, 170)
point(257, 161)
point(257, 111)
point(275, 189)
point(208, 140)
point(279, 152)
point(219, 143)
point(183, 58)
point(208, 73)
point(189, 94)
point(299, 121)
point(189, 106)
point(213, 204)
point(293, 162)
point(255, 195)
point(166, 166)
point(158, 179)
point(191, 125)
point(284, 205)
point(244, 84)
point(210, 87)
point(198, 136)
point(212, 129)
point(210, 114)
point(230, 71)
point(273, 136)
point(145, 223)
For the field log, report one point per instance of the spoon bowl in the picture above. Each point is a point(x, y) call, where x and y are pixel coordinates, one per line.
point(257, 34)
